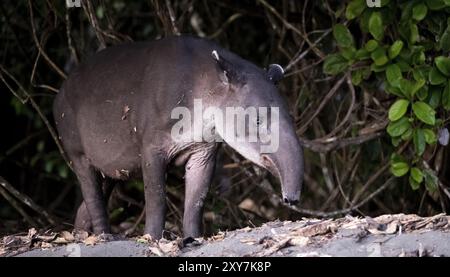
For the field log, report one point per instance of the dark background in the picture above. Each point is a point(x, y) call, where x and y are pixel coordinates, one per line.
point(347, 176)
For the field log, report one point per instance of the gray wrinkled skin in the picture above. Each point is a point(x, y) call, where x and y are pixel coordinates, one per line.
point(113, 118)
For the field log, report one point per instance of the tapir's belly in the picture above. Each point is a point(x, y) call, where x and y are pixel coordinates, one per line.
point(109, 142)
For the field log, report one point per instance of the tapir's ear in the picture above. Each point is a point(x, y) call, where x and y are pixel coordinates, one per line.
point(275, 72)
point(229, 73)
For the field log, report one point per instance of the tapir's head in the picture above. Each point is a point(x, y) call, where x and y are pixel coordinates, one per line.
point(257, 122)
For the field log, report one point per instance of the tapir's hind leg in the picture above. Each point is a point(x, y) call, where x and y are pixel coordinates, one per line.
point(83, 219)
point(92, 194)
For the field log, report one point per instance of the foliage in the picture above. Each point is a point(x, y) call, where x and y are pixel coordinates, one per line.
point(403, 48)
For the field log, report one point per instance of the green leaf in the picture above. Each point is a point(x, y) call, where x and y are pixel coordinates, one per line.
point(419, 74)
point(430, 136)
point(407, 135)
point(431, 180)
point(417, 174)
point(444, 42)
point(378, 68)
point(355, 8)
point(424, 112)
point(422, 94)
point(435, 4)
point(406, 87)
point(399, 127)
point(379, 56)
point(335, 64)
point(399, 169)
point(362, 54)
point(443, 64)
point(414, 185)
point(343, 36)
point(357, 77)
point(446, 96)
point(419, 141)
point(398, 109)
point(371, 45)
point(418, 85)
point(395, 49)
point(435, 77)
point(420, 11)
point(376, 26)
point(393, 74)
point(348, 53)
point(414, 33)
point(396, 158)
point(434, 99)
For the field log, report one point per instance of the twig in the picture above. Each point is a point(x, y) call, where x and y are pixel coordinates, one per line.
point(325, 100)
point(349, 111)
point(343, 211)
point(17, 207)
point(27, 201)
point(138, 221)
point(32, 77)
point(291, 27)
point(230, 20)
point(38, 45)
point(89, 11)
point(36, 107)
point(335, 143)
point(172, 18)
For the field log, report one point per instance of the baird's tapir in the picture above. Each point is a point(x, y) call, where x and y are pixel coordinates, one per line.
point(113, 116)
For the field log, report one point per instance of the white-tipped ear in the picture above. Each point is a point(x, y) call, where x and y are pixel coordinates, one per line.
point(215, 55)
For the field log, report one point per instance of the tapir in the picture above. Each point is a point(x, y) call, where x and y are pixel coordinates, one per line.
point(113, 116)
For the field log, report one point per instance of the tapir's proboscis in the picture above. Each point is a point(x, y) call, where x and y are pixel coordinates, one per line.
point(113, 116)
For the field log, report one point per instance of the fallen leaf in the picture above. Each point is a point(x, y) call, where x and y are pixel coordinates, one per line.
point(92, 240)
point(46, 245)
point(67, 236)
point(390, 229)
point(156, 251)
point(47, 238)
point(31, 232)
point(246, 229)
point(219, 236)
point(60, 241)
point(316, 229)
point(299, 241)
point(170, 247)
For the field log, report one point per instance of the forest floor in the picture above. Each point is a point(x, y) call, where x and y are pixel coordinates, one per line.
point(387, 235)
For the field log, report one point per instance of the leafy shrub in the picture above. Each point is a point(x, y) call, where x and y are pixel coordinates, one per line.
point(404, 49)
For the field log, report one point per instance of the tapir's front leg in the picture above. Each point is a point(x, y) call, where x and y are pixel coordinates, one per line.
point(154, 172)
point(199, 173)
